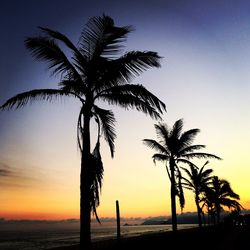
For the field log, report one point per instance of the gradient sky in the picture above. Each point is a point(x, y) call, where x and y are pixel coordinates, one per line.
point(204, 78)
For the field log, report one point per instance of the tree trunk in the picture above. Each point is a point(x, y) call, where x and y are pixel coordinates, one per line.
point(204, 218)
point(118, 222)
point(173, 194)
point(198, 210)
point(217, 205)
point(85, 209)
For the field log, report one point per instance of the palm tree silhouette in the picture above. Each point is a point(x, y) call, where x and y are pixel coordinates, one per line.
point(95, 72)
point(175, 147)
point(198, 180)
point(219, 194)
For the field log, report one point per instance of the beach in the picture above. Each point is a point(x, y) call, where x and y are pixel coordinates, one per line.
point(211, 237)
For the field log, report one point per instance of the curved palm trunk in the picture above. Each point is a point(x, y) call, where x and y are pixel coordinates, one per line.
point(85, 209)
point(173, 194)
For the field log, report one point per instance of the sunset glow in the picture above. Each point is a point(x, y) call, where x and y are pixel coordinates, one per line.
point(204, 79)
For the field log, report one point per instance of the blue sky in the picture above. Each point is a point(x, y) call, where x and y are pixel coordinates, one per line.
point(204, 79)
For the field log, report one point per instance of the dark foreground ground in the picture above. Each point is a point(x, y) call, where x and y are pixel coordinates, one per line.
point(212, 238)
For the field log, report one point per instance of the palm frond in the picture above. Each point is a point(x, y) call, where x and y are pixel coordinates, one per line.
point(77, 88)
point(189, 173)
point(176, 129)
point(96, 179)
point(156, 146)
point(79, 59)
point(231, 204)
point(206, 174)
point(180, 190)
point(80, 128)
point(136, 91)
point(102, 38)
point(162, 132)
point(159, 157)
point(188, 137)
point(226, 190)
point(205, 164)
point(135, 62)
point(185, 161)
point(61, 37)
point(190, 149)
point(124, 69)
point(24, 98)
point(107, 120)
point(188, 184)
point(200, 155)
point(46, 49)
point(128, 101)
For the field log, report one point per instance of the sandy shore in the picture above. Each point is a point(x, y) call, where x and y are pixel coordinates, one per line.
point(216, 238)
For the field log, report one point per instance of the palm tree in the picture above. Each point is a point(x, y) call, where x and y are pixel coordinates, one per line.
point(95, 72)
point(207, 204)
point(197, 180)
point(219, 194)
point(175, 147)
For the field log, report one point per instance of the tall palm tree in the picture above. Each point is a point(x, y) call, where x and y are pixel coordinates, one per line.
point(175, 147)
point(219, 194)
point(197, 181)
point(95, 72)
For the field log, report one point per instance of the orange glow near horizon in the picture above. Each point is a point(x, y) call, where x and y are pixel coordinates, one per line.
point(49, 192)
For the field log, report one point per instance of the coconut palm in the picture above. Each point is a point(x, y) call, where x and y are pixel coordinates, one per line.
point(197, 181)
point(175, 147)
point(96, 71)
point(219, 194)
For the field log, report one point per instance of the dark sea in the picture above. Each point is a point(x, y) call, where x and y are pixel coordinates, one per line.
point(48, 236)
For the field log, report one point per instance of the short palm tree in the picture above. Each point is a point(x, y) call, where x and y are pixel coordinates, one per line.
point(207, 204)
point(197, 181)
point(95, 72)
point(219, 194)
point(175, 147)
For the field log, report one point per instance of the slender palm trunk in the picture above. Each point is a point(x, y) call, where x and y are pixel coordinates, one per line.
point(204, 218)
point(85, 210)
point(213, 214)
point(217, 207)
point(198, 210)
point(208, 218)
point(173, 194)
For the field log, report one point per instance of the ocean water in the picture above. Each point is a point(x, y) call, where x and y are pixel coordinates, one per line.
point(48, 237)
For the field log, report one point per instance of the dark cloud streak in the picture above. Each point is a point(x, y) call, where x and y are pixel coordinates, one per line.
point(5, 170)
point(14, 177)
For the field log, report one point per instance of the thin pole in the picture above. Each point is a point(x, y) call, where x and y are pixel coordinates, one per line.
point(118, 221)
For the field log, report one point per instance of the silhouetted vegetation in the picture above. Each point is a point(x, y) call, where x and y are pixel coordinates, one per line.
point(175, 147)
point(198, 180)
point(97, 71)
point(219, 194)
point(94, 72)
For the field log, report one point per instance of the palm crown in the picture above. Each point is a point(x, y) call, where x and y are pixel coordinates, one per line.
point(94, 72)
point(220, 193)
point(173, 143)
point(198, 179)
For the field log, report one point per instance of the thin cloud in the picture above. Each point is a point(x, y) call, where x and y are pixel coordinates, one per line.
point(4, 172)
point(11, 176)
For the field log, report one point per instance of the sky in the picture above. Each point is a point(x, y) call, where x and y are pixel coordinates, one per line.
point(204, 78)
